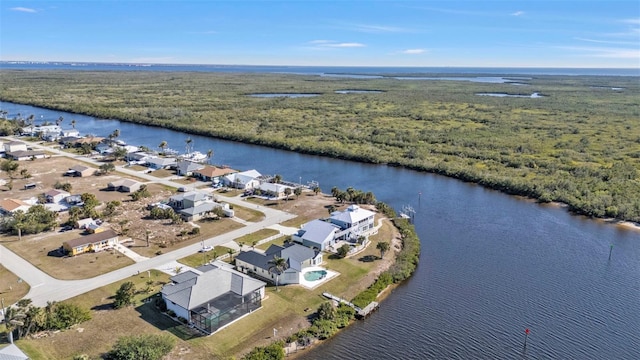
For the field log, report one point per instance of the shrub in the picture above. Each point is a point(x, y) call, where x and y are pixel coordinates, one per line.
point(144, 347)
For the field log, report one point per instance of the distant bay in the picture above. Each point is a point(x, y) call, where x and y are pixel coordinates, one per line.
point(316, 70)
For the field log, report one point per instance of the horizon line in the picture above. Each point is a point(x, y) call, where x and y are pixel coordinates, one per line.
point(281, 65)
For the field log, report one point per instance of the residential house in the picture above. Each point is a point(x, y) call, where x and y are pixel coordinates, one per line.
point(187, 168)
point(317, 234)
point(260, 264)
point(213, 173)
point(93, 140)
point(22, 155)
point(83, 223)
point(158, 163)
point(104, 148)
point(353, 222)
point(55, 196)
point(13, 146)
point(81, 171)
point(274, 190)
point(91, 243)
point(94, 228)
point(12, 352)
point(68, 133)
point(43, 131)
point(243, 180)
point(210, 300)
point(125, 185)
point(188, 199)
point(137, 156)
point(10, 206)
point(199, 211)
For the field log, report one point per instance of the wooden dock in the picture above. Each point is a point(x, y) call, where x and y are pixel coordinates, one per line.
point(360, 312)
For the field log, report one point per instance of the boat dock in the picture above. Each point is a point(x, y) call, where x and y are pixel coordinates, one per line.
point(360, 312)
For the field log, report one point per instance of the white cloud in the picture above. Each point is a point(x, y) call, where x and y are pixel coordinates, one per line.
point(378, 29)
point(334, 44)
point(345, 45)
point(632, 21)
point(518, 13)
point(414, 51)
point(605, 52)
point(24, 9)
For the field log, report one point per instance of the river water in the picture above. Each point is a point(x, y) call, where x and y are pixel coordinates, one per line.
point(491, 264)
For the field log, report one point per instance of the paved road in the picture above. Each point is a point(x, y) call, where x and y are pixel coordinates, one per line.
point(45, 288)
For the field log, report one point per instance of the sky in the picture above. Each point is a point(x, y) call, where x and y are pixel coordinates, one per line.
point(507, 33)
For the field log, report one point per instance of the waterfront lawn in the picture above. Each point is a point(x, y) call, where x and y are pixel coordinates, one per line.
point(11, 288)
point(40, 250)
point(286, 310)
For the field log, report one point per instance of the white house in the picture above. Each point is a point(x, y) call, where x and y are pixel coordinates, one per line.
point(354, 222)
point(243, 180)
point(13, 146)
point(55, 196)
point(317, 234)
point(212, 297)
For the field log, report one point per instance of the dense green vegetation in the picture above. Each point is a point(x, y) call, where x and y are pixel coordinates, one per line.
point(579, 144)
point(142, 347)
point(24, 318)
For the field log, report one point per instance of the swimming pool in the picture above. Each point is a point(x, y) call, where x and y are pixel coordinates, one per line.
point(315, 275)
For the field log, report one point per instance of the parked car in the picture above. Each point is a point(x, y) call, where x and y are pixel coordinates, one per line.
point(66, 228)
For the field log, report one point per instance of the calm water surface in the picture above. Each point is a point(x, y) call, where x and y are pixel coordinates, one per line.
point(491, 264)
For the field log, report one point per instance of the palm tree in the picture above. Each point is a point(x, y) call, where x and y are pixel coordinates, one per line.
point(163, 146)
point(278, 266)
point(383, 246)
point(209, 155)
point(188, 142)
point(73, 123)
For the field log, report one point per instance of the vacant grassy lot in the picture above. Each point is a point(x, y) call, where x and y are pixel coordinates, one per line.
point(208, 228)
point(12, 288)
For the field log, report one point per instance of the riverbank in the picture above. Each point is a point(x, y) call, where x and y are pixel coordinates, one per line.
point(549, 149)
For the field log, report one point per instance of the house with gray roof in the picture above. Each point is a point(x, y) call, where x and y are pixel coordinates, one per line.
point(214, 297)
point(297, 257)
point(158, 163)
point(317, 234)
point(243, 180)
point(187, 168)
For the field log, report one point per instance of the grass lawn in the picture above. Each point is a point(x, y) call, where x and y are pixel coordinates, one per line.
point(277, 241)
point(11, 288)
point(256, 236)
point(199, 259)
point(98, 335)
point(286, 310)
point(36, 250)
point(246, 213)
point(137, 167)
point(162, 173)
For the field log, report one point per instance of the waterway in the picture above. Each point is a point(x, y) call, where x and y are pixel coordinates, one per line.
point(491, 264)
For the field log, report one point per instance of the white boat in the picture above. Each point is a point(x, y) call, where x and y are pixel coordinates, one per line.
point(195, 156)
